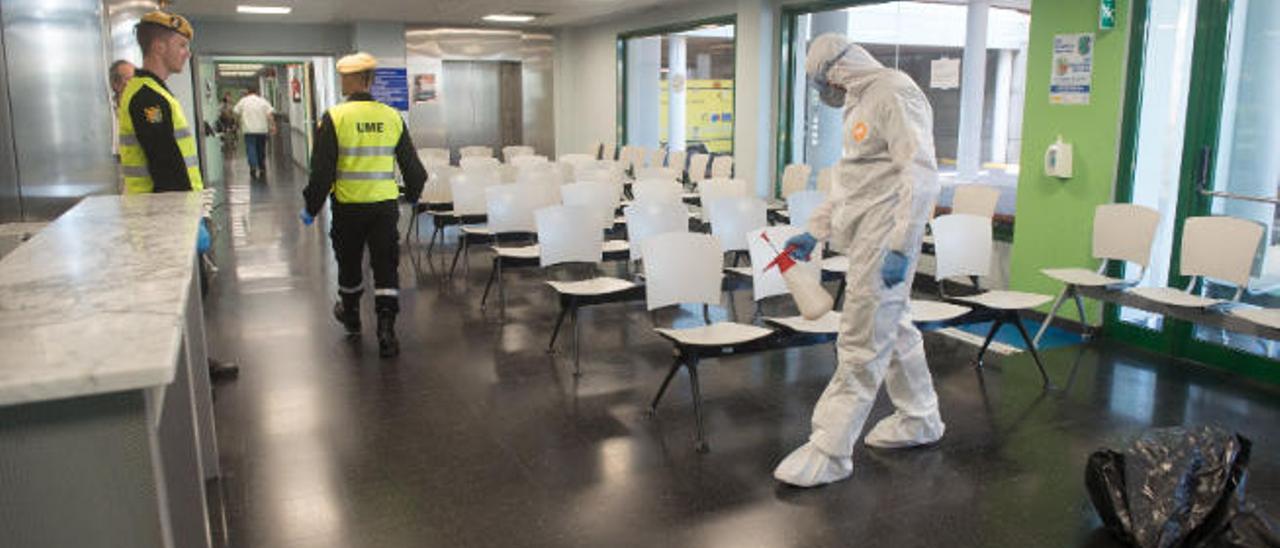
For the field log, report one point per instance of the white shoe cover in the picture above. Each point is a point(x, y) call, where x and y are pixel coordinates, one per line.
point(807, 467)
point(898, 431)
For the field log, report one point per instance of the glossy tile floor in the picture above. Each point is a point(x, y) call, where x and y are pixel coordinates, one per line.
point(475, 436)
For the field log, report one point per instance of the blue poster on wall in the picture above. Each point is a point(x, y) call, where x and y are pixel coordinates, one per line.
point(391, 87)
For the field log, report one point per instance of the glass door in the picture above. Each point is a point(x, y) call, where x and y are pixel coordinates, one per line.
point(1203, 138)
point(1242, 177)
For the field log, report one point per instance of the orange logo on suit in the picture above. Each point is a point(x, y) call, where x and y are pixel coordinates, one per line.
point(860, 131)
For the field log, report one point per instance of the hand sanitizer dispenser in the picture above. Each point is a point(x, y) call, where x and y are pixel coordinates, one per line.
point(1057, 160)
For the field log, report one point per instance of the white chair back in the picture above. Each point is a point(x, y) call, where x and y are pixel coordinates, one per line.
point(512, 152)
point(609, 151)
point(795, 178)
point(827, 179)
point(526, 161)
point(649, 218)
point(732, 217)
point(1222, 248)
point(437, 189)
point(975, 199)
point(801, 205)
point(712, 189)
point(596, 172)
point(962, 245)
point(476, 152)
point(1124, 232)
point(656, 157)
point(574, 158)
point(631, 157)
point(676, 159)
point(600, 198)
point(680, 268)
point(433, 156)
point(663, 173)
point(698, 167)
point(767, 283)
point(722, 167)
point(660, 190)
point(509, 208)
point(565, 236)
point(469, 194)
point(468, 163)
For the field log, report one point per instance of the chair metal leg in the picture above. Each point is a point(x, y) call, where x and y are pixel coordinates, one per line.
point(692, 367)
point(431, 244)
point(577, 363)
point(990, 335)
point(555, 332)
point(1053, 312)
point(502, 288)
point(839, 302)
point(666, 381)
point(1084, 323)
point(1022, 329)
point(493, 273)
point(457, 253)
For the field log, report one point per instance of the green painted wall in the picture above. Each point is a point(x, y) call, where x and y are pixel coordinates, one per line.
point(1054, 216)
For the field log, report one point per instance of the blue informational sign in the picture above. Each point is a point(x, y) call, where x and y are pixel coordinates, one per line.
point(391, 87)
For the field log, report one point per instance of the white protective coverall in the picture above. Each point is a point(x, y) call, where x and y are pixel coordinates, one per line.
point(882, 199)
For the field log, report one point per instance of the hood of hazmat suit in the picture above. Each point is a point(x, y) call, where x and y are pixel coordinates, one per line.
point(883, 196)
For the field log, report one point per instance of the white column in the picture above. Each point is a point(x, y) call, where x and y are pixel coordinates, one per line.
point(969, 151)
point(1000, 110)
point(677, 82)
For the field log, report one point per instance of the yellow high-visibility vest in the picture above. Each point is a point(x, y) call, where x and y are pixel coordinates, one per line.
point(133, 160)
point(367, 135)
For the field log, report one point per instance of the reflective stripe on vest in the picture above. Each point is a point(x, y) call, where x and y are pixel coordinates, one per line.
point(367, 135)
point(133, 160)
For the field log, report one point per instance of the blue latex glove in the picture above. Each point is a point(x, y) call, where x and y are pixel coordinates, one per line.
point(804, 246)
point(203, 239)
point(894, 269)
point(307, 219)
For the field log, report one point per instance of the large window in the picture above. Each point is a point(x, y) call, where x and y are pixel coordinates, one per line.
point(678, 88)
point(977, 132)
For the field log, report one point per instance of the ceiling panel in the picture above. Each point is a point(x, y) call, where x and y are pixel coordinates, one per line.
point(453, 12)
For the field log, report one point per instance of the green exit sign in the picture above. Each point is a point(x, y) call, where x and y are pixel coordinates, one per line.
point(1106, 14)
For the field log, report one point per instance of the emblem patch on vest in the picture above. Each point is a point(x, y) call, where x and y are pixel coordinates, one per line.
point(153, 114)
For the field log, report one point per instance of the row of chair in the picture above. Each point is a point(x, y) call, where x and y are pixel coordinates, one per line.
point(436, 155)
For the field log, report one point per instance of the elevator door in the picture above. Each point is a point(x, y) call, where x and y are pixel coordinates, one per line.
point(482, 103)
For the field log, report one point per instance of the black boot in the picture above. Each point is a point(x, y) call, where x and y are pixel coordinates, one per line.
point(348, 317)
point(388, 345)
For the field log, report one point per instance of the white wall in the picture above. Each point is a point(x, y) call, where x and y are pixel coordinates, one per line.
point(230, 38)
point(586, 79)
point(384, 41)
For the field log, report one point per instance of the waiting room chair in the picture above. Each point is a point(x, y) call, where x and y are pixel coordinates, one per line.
point(732, 217)
point(963, 247)
point(1121, 232)
point(801, 206)
point(661, 190)
point(766, 282)
point(713, 189)
point(684, 268)
point(1217, 247)
point(647, 218)
point(697, 170)
point(565, 236)
point(795, 178)
point(659, 173)
point(469, 209)
point(510, 213)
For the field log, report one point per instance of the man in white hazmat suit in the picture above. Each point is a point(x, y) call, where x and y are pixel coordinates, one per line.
point(882, 198)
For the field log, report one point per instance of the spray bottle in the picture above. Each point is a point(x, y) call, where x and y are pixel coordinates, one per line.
point(810, 297)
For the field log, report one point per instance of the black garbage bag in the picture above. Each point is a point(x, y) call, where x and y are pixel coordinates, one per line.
point(1179, 487)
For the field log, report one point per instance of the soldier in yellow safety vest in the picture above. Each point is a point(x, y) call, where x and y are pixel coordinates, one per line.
point(356, 150)
point(157, 143)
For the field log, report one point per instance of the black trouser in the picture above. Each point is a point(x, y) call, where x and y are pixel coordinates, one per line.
point(374, 225)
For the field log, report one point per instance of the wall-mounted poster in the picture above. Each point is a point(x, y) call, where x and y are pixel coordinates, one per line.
point(391, 87)
point(424, 88)
point(1071, 78)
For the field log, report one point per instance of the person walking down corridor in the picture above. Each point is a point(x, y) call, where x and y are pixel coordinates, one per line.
point(357, 147)
point(256, 120)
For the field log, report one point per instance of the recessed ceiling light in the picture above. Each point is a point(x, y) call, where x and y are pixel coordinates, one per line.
point(264, 10)
point(509, 18)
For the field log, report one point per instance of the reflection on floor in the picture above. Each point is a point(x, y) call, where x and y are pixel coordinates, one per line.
point(475, 436)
